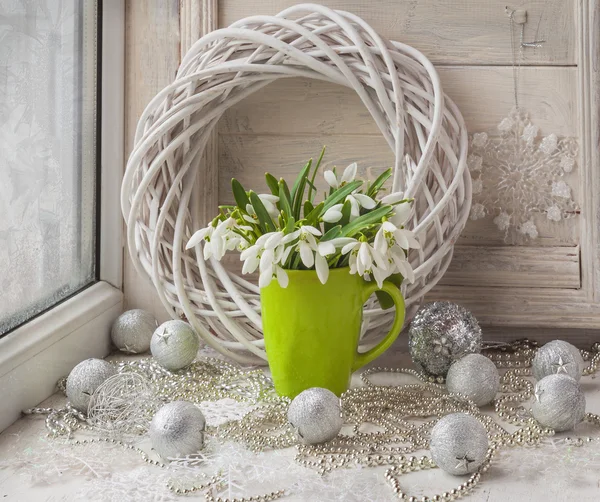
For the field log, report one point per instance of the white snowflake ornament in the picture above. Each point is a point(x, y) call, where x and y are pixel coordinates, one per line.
point(520, 175)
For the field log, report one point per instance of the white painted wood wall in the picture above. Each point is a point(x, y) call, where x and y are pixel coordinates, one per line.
point(553, 281)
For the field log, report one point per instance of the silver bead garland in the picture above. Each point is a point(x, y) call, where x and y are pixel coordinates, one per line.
point(441, 333)
point(389, 408)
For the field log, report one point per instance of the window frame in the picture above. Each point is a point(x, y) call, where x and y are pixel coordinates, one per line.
point(35, 355)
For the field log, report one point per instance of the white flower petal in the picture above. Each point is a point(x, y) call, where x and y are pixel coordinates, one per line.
point(282, 277)
point(290, 237)
point(401, 214)
point(198, 236)
point(306, 255)
point(349, 247)
point(310, 229)
point(321, 268)
point(274, 240)
point(331, 216)
point(393, 198)
point(251, 251)
point(381, 243)
point(365, 201)
point(268, 197)
point(349, 173)
point(266, 260)
point(326, 248)
point(331, 179)
point(207, 251)
point(265, 278)
point(250, 265)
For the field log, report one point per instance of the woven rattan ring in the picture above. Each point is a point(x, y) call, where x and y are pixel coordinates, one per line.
point(398, 85)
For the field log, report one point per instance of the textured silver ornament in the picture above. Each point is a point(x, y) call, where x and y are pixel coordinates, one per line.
point(459, 443)
point(316, 415)
point(555, 358)
point(177, 430)
point(174, 345)
point(132, 331)
point(441, 333)
point(84, 379)
point(558, 402)
point(476, 377)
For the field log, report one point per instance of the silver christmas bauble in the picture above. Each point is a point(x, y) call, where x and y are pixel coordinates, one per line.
point(441, 333)
point(555, 358)
point(84, 379)
point(558, 402)
point(459, 444)
point(474, 376)
point(177, 430)
point(174, 345)
point(132, 331)
point(316, 414)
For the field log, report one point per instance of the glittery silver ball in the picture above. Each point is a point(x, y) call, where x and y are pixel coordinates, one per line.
point(557, 357)
point(441, 333)
point(174, 345)
point(132, 330)
point(558, 402)
point(474, 376)
point(316, 415)
point(177, 430)
point(84, 379)
point(459, 444)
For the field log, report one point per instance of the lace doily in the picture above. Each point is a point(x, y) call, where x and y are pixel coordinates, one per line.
point(521, 175)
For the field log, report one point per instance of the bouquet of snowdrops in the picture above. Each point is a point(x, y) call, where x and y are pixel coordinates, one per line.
point(288, 230)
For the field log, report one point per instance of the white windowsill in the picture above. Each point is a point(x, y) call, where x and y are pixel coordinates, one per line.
point(36, 355)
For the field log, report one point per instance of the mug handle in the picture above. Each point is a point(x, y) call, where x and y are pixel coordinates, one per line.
point(391, 289)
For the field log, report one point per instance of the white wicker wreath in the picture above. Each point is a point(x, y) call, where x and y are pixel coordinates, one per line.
point(398, 85)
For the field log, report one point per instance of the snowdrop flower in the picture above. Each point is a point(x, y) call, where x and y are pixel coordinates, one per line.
point(348, 176)
point(365, 259)
point(307, 244)
point(269, 201)
point(251, 256)
point(333, 214)
point(389, 234)
point(325, 249)
point(358, 200)
point(204, 234)
point(271, 272)
point(398, 262)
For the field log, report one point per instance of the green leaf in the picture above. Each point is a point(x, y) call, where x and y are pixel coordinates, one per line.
point(379, 182)
point(366, 219)
point(284, 203)
point(308, 207)
point(298, 189)
point(313, 216)
point(289, 227)
point(311, 196)
point(346, 210)
point(266, 224)
point(239, 194)
point(332, 234)
point(340, 194)
point(286, 191)
point(272, 184)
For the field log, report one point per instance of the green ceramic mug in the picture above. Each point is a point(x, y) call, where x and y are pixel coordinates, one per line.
point(312, 330)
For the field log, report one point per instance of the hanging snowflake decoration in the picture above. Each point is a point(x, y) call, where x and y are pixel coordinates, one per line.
point(521, 174)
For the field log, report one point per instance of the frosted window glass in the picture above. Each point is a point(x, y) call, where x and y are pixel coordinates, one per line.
point(47, 154)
